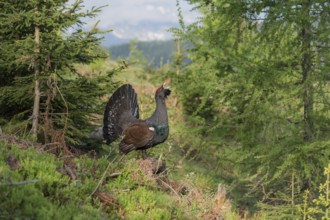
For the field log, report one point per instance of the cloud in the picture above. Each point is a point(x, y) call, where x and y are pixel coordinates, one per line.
point(163, 10)
point(150, 8)
point(144, 31)
point(142, 19)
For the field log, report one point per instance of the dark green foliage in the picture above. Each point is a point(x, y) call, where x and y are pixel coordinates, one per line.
point(68, 99)
point(79, 99)
point(16, 99)
point(257, 83)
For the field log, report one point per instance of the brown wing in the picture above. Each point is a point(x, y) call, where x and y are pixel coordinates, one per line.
point(135, 137)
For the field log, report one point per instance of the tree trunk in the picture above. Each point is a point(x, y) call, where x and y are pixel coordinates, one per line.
point(306, 66)
point(47, 121)
point(36, 105)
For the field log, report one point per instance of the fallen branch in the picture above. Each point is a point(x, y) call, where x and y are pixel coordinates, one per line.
point(104, 175)
point(171, 188)
point(114, 175)
point(19, 183)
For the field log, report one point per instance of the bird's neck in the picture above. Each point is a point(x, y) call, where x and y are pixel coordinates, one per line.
point(160, 114)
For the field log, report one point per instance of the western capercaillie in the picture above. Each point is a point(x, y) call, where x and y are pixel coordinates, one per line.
point(121, 119)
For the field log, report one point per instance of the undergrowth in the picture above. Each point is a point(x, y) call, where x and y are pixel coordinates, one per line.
point(35, 184)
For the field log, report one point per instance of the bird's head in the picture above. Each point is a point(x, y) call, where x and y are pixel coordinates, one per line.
point(163, 92)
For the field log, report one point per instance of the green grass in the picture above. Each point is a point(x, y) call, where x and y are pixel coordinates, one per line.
point(56, 195)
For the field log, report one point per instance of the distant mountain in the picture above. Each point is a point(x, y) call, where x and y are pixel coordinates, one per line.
point(111, 40)
point(142, 31)
point(156, 52)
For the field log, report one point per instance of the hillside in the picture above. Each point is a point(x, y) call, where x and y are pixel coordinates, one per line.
point(37, 183)
point(155, 52)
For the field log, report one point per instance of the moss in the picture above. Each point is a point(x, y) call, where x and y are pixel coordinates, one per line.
point(54, 196)
point(53, 193)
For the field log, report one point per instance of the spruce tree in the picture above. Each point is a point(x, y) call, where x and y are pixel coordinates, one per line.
point(40, 43)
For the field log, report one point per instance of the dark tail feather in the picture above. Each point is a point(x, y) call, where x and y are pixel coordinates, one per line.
point(123, 101)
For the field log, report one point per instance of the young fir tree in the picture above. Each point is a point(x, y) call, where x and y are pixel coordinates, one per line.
point(40, 42)
point(265, 69)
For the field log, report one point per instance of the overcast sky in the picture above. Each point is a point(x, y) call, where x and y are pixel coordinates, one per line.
point(140, 19)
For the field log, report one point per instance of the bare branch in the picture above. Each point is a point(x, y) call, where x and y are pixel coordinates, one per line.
point(19, 183)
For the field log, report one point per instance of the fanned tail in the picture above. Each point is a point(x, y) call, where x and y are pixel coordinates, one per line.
point(122, 107)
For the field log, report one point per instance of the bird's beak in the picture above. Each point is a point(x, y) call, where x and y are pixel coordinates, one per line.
point(164, 86)
point(166, 89)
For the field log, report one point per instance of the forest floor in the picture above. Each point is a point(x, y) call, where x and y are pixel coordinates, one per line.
point(146, 173)
point(172, 184)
